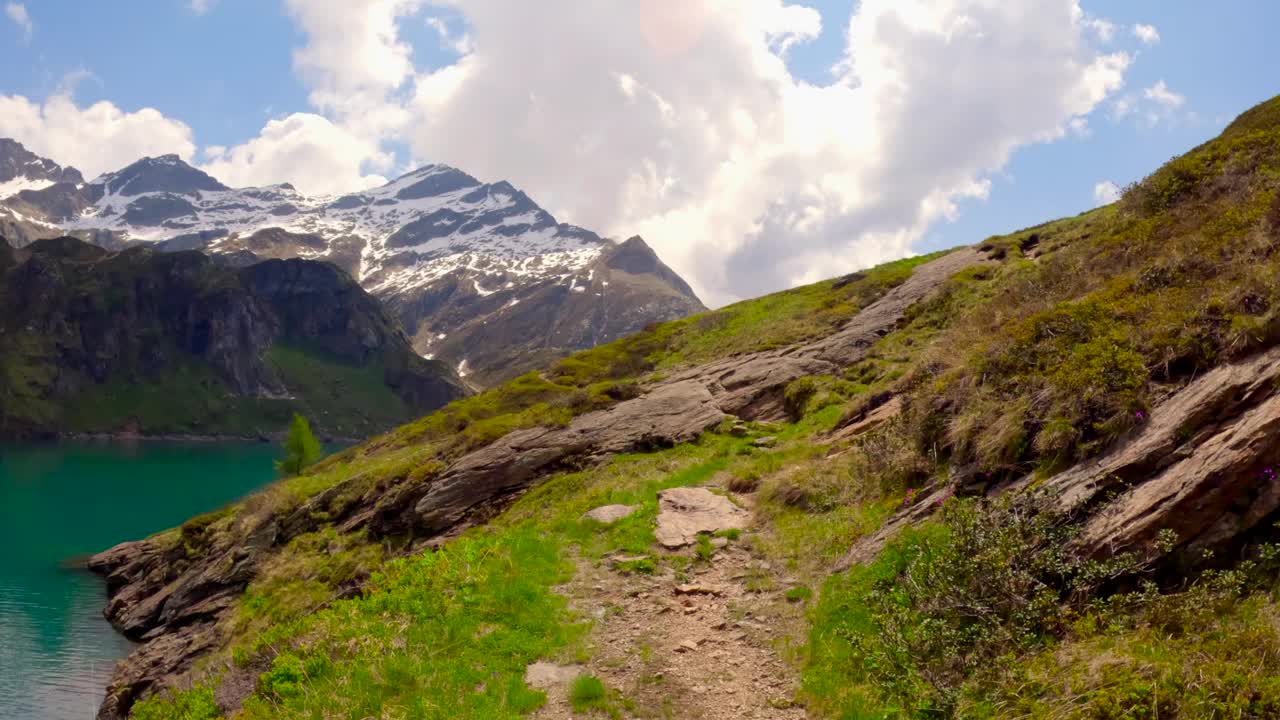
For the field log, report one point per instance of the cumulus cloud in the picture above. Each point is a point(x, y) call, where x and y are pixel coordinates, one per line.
point(686, 125)
point(1105, 193)
point(200, 7)
point(354, 60)
point(1148, 34)
point(681, 121)
point(17, 12)
point(94, 139)
point(307, 150)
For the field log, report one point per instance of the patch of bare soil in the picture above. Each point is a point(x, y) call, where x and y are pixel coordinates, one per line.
point(694, 645)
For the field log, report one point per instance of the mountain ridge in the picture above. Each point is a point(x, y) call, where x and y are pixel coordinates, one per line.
point(429, 243)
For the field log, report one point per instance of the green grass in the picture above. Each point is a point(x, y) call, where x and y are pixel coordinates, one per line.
point(187, 399)
point(344, 398)
point(340, 398)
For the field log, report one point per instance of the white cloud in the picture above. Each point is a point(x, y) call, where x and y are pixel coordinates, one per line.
point(1161, 95)
point(307, 150)
point(459, 43)
point(200, 7)
point(1104, 29)
point(354, 60)
point(1105, 193)
point(1148, 34)
point(94, 139)
point(680, 121)
point(17, 12)
point(686, 125)
point(1152, 106)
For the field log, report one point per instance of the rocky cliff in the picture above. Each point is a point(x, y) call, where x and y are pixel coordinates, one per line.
point(146, 342)
point(480, 276)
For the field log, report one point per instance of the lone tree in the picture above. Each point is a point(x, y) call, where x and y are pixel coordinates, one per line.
point(300, 448)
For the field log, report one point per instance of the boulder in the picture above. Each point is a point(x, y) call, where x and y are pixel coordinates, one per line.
point(683, 513)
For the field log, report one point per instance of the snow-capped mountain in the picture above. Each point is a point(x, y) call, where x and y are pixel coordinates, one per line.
point(479, 275)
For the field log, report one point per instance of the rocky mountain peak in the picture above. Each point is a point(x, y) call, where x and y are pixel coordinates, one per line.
point(166, 173)
point(21, 169)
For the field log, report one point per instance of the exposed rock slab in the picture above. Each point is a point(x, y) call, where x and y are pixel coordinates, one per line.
point(1204, 465)
point(684, 513)
point(668, 415)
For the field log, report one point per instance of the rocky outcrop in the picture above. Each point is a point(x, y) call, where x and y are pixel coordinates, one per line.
point(1204, 466)
point(83, 318)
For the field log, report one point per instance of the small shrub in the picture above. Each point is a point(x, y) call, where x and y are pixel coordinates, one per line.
point(798, 593)
point(643, 566)
point(588, 693)
point(704, 549)
point(744, 483)
point(797, 395)
point(301, 448)
point(195, 704)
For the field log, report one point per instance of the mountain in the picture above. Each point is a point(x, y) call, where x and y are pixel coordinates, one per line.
point(1034, 477)
point(479, 275)
point(138, 341)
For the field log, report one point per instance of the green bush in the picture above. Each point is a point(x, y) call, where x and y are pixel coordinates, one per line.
point(949, 601)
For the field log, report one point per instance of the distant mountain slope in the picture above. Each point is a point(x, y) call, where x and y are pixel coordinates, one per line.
point(480, 276)
point(140, 341)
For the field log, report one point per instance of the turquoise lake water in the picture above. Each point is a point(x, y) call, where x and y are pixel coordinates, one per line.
point(61, 501)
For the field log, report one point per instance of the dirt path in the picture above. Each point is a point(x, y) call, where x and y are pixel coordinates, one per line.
point(695, 645)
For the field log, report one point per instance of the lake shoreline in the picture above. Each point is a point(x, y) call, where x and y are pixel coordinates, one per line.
point(66, 500)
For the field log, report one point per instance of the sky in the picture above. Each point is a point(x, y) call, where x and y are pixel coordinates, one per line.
point(755, 144)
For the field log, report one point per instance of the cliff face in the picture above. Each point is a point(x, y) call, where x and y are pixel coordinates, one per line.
point(140, 341)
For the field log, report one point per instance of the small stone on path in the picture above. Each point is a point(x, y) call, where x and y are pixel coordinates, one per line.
point(544, 675)
point(609, 514)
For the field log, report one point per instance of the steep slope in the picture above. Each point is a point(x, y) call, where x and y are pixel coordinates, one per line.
point(1031, 478)
point(481, 277)
point(147, 342)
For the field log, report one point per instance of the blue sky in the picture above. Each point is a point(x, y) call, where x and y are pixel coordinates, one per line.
point(228, 70)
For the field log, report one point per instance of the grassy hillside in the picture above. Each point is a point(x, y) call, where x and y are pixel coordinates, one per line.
point(1046, 354)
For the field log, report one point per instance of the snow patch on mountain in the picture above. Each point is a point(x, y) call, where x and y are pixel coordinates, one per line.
point(12, 187)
